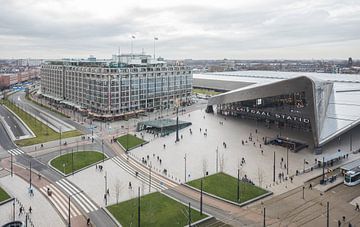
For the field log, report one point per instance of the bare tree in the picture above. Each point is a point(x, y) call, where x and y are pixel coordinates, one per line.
point(260, 176)
point(222, 163)
point(118, 189)
point(204, 166)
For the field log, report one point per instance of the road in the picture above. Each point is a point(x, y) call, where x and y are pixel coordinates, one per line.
point(17, 128)
point(47, 117)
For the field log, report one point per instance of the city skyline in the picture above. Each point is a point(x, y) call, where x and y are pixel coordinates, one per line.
point(198, 30)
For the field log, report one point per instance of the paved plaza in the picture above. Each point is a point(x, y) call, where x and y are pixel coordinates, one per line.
point(39, 204)
point(92, 182)
point(200, 151)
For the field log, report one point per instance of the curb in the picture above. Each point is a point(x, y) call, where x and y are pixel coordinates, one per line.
point(22, 122)
point(76, 171)
point(7, 201)
point(111, 216)
point(209, 216)
point(268, 193)
point(7, 128)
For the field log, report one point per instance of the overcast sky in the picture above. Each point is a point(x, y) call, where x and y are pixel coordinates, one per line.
point(197, 29)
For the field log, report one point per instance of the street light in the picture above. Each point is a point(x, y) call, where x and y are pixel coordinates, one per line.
point(69, 216)
point(185, 166)
point(177, 120)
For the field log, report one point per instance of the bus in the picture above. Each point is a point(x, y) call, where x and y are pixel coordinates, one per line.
point(352, 177)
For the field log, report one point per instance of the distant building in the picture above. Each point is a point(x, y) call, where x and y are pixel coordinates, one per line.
point(350, 62)
point(9, 79)
point(115, 88)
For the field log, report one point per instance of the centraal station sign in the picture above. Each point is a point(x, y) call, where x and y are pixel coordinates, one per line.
point(274, 115)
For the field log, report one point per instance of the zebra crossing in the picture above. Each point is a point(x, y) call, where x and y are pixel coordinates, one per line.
point(61, 202)
point(15, 151)
point(84, 202)
point(131, 166)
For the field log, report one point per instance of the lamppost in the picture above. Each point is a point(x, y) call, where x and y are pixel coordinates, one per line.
point(217, 159)
point(155, 39)
point(102, 149)
point(69, 215)
point(185, 166)
point(177, 120)
point(60, 140)
point(105, 178)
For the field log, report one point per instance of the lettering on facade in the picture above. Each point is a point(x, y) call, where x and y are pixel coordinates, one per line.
point(275, 115)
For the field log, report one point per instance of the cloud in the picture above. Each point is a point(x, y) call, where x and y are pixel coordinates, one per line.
point(186, 29)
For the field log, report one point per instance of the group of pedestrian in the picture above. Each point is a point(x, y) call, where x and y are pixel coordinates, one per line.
point(99, 167)
point(22, 210)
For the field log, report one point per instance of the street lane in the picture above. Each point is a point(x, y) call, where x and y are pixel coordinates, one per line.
point(15, 125)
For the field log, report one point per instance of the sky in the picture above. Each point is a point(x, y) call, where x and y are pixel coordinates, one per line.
point(186, 29)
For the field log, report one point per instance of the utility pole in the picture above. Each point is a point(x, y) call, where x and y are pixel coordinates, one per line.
point(30, 174)
point(189, 213)
point(72, 161)
point(139, 207)
point(14, 209)
point(105, 178)
point(11, 167)
point(201, 196)
point(60, 140)
point(303, 192)
point(217, 159)
point(287, 160)
point(102, 149)
point(264, 217)
point(150, 178)
point(274, 168)
point(323, 174)
point(238, 186)
point(69, 218)
point(327, 214)
point(185, 166)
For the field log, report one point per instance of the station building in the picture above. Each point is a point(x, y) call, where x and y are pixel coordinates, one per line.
point(324, 105)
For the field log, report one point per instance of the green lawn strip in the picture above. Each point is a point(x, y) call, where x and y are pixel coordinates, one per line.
point(225, 186)
point(156, 210)
point(129, 141)
point(46, 107)
point(81, 160)
point(3, 195)
point(43, 132)
point(205, 91)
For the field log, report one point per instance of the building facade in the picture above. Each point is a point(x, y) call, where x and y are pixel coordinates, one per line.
point(108, 89)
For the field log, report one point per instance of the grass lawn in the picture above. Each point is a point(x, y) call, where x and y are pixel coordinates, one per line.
point(156, 210)
point(205, 91)
point(43, 132)
point(129, 141)
point(225, 186)
point(3, 195)
point(81, 160)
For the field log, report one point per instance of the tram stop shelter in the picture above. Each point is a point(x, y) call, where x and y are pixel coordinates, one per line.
point(332, 158)
point(161, 127)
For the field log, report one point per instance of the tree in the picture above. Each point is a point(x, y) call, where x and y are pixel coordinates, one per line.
point(204, 166)
point(260, 176)
point(118, 189)
point(222, 163)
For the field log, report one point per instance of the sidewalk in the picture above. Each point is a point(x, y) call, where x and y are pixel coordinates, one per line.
point(55, 144)
point(39, 184)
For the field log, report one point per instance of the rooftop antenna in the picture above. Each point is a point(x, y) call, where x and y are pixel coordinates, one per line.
point(118, 58)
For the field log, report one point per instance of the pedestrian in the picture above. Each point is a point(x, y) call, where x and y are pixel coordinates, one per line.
point(96, 167)
point(30, 209)
point(20, 210)
point(357, 207)
point(108, 192)
point(339, 223)
point(164, 146)
point(88, 221)
point(343, 218)
point(310, 186)
point(262, 152)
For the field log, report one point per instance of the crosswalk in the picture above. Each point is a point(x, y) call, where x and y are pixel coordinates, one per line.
point(61, 202)
point(131, 166)
point(15, 151)
point(84, 202)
